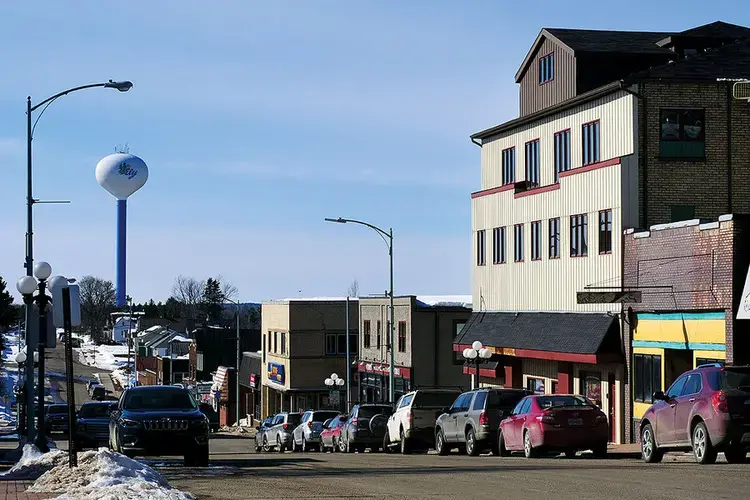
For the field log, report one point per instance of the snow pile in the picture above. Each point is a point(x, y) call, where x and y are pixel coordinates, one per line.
point(34, 463)
point(102, 357)
point(104, 474)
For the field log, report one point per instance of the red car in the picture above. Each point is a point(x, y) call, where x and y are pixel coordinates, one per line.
point(706, 409)
point(557, 423)
point(331, 433)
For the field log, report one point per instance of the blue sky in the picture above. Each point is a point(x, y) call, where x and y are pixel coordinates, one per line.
point(259, 119)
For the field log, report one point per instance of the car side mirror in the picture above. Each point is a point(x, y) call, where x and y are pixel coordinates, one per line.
point(659, 396)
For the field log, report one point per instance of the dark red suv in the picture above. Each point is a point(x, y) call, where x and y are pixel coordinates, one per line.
point(707, 410)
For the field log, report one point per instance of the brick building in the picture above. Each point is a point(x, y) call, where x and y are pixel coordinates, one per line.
point(690, 275)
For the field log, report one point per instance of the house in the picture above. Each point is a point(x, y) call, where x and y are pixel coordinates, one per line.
point(123, 325)
point(425, 329)
point(617, 130)
point(304, 342)
point(162, 356)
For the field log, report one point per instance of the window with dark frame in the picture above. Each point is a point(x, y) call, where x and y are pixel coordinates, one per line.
point(480, 248)
point(498, 245)
point(591, 143)
point(554, 238)
point(682, 133)
point(331, 344)
point(647, 375)
point(536, 240)
point(275, 341)
point(579, 229)
point(605, 231)
point(546, 68)
point(283, 342)
point(402, 336)
point(378, 334)
point(518, 243)
point(562, 153)
point(532, 162)
point(366, 333)
point(509, 166)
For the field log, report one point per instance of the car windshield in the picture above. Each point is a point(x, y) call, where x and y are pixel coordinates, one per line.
point(58, 409)
point(159, 399)
point(730, 379)
point(322, 416)
point(94, 411)
point(434, 399)
point(293, 419)
point(545, 402)
point(504, 400)
point(371, 411)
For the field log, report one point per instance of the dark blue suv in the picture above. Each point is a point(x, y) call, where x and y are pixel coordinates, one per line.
point(92, 425)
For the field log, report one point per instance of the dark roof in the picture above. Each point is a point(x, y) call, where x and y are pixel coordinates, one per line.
point(575, 333)
point(719, 29)
point(634, 42)
point(729, 62)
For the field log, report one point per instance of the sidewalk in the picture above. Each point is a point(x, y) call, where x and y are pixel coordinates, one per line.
point(16, 490)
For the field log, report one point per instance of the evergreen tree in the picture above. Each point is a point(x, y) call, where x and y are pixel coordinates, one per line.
point(212, 301)
point(7, 311)
point(172, 309)
point(151, 310)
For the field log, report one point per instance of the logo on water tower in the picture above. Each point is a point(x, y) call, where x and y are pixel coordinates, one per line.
point(126, 170)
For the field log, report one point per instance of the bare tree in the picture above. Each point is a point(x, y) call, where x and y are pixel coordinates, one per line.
point(228, 290)
point(189, 293)
point(97, 302)
point(354, 289)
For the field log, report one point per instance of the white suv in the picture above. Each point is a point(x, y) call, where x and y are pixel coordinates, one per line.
point(413, 423)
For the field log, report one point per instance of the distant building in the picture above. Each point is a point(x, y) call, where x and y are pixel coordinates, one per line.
point(123, 325)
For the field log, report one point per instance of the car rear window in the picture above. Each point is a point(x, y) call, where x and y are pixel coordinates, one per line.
point(730, 379)
point(322, 416)
point(434, 399)
point(371, 411)
point(504, 400)
point(293, 418)
point(95, 411)
point(554, 401)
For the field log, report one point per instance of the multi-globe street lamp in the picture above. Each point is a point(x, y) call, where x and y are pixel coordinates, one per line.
point(335, 383)
point(476, 353)
point(19, 392)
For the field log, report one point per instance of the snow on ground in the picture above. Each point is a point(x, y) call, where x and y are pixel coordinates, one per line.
point(34, 463)
point(102, 357)
point(104, 474)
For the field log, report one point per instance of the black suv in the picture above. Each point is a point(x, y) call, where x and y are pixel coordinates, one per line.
point(56, 418)
point(365, 427)
point(160, 420)
point(92, 426)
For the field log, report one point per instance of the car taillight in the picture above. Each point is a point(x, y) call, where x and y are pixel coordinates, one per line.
point(719, 401)
point(600, 419)
point(408, 417)
point(285, 426)
point(354, 420)
point(546, 418)
point(309, 425)
point(483, 419)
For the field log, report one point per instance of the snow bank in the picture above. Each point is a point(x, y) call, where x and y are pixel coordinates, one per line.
point(34, 463)
point(104, 474)
point(102, 357)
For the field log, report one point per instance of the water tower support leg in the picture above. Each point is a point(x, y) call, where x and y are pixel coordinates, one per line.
point(122, 217)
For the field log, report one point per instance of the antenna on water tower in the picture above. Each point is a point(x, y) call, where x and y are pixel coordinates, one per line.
point(122, 174)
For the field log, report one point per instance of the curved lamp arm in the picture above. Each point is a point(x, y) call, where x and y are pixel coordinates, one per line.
point(383, 234)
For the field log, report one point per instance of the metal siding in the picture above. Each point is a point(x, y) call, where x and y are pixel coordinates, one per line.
point(535, 96)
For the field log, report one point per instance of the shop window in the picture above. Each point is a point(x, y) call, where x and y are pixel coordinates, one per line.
point(647, 375)
point(536, 385)
point(591, 387)
point(682, 133)
point(366, 333)
point(402, 336)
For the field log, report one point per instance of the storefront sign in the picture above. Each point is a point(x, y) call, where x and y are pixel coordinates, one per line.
point(276, 373)
point(383, 369)
point(505, 351)
point(252, 381)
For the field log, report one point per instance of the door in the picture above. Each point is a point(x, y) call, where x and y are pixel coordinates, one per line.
point(665, 413)
point(300, 429)
point(450, 420)
point(611, 408)
point(463, 417)
point(509, 426)
point(684, 407)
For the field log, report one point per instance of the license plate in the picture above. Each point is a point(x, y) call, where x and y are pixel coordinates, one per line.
point(575, 421)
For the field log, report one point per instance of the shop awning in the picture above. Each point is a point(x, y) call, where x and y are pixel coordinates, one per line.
point(250, 370)
point(574, 337)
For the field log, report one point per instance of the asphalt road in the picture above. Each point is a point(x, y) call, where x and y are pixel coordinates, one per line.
point(236, 472)
point(55, 363)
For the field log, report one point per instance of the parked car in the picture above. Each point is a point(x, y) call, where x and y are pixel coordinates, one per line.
point(554, 423)
point(159, 420)
point(306, 435)
point(472, 421)
point(213, 417)
point(98, 392)
point(413, 423)
point(364, 428)
point(92, 425)
point(56, 418)
point(329, 437)
point(707, 410)
point(279, 436)
point(261, 437)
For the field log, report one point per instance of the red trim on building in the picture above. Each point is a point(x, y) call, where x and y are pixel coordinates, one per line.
point(486, 192)
point(531, 353)
point(383, 369)
point(483, 372)
point(542, 189)
point(589, 168)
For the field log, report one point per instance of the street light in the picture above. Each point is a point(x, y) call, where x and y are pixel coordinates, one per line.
point(335, 383)
point(388, 239)
point(20, 391)
point(239, 355)
point(26, 287)
point(476, 352)
point(30, 201)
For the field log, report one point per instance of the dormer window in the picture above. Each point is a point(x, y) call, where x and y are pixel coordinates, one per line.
point(547, 68)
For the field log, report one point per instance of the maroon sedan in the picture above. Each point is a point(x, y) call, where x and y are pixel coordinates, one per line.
point(331, 433)
point(556, 423)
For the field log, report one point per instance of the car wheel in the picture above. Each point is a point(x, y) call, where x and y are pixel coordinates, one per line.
point(266, 445)
point(471, 443)
point(280, 445)
point(387, 442)
point(501, 449)
point(405, 443)
point(736, 454)
point(440, 445)
point(258, 446)
point(304, 448)
point(703, 450)
point(649, 450)
point(348, 448)
point(528, 447)
point(342, 445)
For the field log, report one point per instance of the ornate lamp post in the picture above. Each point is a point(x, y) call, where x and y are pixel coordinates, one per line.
point(477, 352)
point(336, 384)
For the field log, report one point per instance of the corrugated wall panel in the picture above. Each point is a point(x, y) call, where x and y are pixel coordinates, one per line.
point(535, 96)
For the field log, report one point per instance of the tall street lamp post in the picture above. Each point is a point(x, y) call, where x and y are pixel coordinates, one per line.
point(335, 383)
point(387, 237)
point(30, 201)
point(477, 352)
point(20, 392)
point(239, 356)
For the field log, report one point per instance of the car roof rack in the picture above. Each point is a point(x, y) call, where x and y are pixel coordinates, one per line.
point(709, 365)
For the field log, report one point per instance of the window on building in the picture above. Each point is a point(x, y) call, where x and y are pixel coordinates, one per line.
point(336, 344)
point(708, 361)
point(498, 245)
point(378, 334)
point(264, 348)
point(532, 162)
point(480, 248)
point(682, 212)
point(536, 240)
point(562, 153)
point(579, 229)
point(275, 341)
point(682, 133)
point(605, 231)
point(547, 68)
point(509, 166)
point(458, 325)
point(554, 238)
point(366, 333)
point(402, 336)
point(647, 375)
point(331, 343)
point(591, 143)
point(283, 342)
point(536, 385)
point(518, 242)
